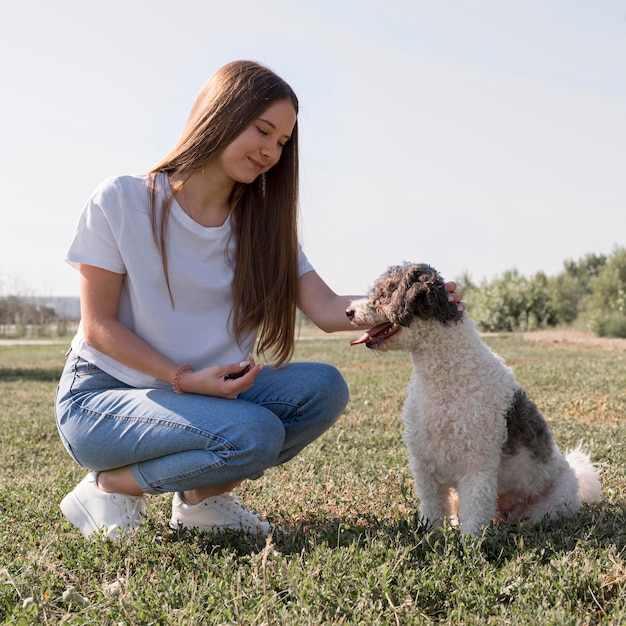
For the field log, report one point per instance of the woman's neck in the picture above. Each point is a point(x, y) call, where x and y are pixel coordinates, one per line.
point(203, 196)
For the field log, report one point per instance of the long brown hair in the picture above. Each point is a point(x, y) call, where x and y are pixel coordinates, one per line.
point(263, 213)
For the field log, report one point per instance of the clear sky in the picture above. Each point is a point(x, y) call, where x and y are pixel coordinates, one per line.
point(477, 136)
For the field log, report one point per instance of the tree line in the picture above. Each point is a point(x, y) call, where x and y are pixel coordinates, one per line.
point(588, 294)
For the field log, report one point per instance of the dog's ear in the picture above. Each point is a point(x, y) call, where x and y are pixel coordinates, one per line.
point(422, 293)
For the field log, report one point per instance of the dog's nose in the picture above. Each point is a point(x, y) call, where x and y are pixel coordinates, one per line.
point(350, 314)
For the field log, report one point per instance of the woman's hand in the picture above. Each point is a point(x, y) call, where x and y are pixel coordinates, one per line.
point(221, 381)
point(455, 296)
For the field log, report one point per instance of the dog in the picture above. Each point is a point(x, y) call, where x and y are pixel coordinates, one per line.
point(479, 448)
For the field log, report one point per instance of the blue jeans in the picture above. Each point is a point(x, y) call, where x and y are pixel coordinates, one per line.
point(180, 442)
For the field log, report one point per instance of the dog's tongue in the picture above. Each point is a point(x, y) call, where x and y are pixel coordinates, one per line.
point(372, 332)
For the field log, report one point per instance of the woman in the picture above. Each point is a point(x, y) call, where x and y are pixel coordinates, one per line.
point(183, 272)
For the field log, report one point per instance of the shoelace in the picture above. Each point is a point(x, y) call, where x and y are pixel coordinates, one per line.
point(236, 503)
point(238, 508)
point(249, 519)
point(134, 510)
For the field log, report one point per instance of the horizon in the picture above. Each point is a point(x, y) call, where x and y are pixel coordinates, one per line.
point(43, 298)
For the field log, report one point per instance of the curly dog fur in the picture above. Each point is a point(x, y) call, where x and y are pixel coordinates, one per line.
point(479, 449)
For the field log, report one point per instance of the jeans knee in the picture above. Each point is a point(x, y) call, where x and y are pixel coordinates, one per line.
point(334, 390)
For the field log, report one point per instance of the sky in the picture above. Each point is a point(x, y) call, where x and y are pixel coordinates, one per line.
point(477, 136)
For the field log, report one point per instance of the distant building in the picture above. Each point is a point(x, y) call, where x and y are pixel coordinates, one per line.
point(64, 307)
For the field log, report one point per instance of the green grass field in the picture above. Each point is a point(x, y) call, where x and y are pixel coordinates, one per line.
point(353, 550)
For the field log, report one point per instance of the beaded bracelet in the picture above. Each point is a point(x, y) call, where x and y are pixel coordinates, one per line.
point(177, 374)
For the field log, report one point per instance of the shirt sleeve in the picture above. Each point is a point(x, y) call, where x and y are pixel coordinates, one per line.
point(304, 264)
point(94, 241)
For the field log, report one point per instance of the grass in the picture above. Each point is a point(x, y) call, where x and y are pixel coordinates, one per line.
point(353, 550)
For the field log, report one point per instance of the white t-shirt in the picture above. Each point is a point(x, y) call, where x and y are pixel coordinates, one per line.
point(115, 234)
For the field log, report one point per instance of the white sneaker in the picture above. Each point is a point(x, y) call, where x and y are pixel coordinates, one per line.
point(217, 512)
point(90, 509)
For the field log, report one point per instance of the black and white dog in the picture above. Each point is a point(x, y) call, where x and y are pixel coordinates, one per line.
point(479, 449)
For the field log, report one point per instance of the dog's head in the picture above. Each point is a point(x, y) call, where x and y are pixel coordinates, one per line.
point(403, 295)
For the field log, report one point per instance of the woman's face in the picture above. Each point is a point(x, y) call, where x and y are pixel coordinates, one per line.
point(259, 146)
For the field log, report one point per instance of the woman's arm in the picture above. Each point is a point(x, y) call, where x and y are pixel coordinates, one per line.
point(327, 310)
point(100, 292)
point(322, 305)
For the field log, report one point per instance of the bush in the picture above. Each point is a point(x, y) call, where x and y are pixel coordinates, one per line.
point(606, 309)
point(614, 327)
point(591, 291)
point(512, 303)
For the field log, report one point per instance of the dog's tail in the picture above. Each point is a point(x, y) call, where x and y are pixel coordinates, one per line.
point(589, 489)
